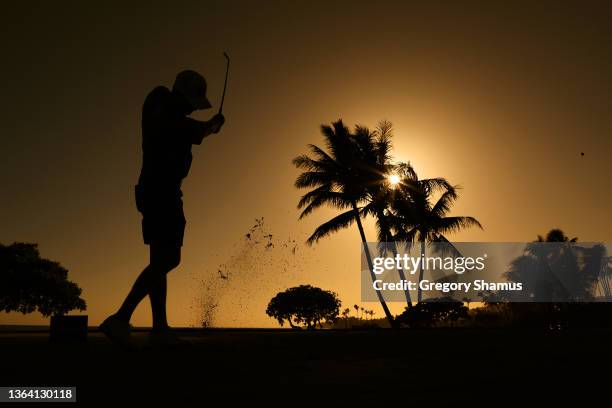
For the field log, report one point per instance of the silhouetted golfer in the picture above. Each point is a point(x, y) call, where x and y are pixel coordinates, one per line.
point(167, 136)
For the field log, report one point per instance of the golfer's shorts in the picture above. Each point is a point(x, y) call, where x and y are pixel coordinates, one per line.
point(163, 220)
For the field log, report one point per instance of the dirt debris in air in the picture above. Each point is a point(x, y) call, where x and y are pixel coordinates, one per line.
point(259, 263)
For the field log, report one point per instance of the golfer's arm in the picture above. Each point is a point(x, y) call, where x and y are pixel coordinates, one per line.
point(196, 130)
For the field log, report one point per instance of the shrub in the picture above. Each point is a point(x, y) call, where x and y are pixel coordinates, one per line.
point(304, 305)
point(432, 312)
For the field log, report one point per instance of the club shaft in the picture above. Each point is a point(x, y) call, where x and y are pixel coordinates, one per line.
point(225, 84)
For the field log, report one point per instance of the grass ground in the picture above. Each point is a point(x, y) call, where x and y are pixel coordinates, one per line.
point(415, 368)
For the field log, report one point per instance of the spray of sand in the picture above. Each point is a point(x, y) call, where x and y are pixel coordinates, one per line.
point(259, 265)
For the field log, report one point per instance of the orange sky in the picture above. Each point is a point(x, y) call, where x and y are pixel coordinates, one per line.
point(500, 100)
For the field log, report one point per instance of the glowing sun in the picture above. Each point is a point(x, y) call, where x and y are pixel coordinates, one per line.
point(393, 179)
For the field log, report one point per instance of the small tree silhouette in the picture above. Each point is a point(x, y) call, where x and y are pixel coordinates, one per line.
point(29, 283)
point(304, 305)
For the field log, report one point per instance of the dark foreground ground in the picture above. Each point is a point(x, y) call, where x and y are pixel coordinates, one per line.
point(411, 368)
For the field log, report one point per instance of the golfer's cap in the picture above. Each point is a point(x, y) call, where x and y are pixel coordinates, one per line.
point(192, 86)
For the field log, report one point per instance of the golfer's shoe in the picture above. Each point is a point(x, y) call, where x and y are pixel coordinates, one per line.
point(116, 329)
point(166, 338)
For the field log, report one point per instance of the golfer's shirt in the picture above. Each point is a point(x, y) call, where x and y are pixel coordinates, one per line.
point(167, 137)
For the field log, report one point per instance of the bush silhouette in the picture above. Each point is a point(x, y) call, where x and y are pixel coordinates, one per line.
point(29, 283)
point(304, 305)
point(432, 311)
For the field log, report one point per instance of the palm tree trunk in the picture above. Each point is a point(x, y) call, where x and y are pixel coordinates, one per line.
point(400, 271)
point(420, 292)
point(381, 299)
point(402, 277)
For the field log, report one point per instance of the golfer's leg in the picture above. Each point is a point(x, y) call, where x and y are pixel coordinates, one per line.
point(167, 258)
point(139, 290)
point(158, 301)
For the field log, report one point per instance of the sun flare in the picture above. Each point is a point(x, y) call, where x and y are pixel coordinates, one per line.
point(393, 179)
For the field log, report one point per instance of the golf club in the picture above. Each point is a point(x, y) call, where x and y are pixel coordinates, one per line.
point(225, 84)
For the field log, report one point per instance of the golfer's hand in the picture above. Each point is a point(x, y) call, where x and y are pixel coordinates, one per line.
point(216, 122)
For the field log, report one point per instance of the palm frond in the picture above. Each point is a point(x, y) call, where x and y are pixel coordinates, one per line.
point(455, 224)
point(448, 249)
point(406, 235)
point(436, 184)
point(313, 179)
point(322, 156)
point(444, 203)
point(331, 198)
point(313, 194)
point(305, 162)
point(406, 171)
point(344, 220)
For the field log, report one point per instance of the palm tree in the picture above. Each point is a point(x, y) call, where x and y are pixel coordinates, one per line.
point(375, 147)
point(565, 270)
point(556, 235)
point(337, 179)
point(415, 219)
point(345, 314)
